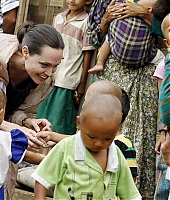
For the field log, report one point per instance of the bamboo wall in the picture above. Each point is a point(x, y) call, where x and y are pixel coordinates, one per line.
point(42, 11)
point(39, 11)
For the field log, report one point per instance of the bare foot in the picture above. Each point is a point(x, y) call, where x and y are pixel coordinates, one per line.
point(96, 68)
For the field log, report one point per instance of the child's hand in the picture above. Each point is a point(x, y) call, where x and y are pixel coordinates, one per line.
point(51, 144)
point(79, 92)
point(76, 97)
point(51, 136)
point(44, 135)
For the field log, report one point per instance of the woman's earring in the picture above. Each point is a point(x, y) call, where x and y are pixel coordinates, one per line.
point(25, 52)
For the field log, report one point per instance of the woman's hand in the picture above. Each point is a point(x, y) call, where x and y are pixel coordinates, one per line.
point(107, 18)
point(124, 10)
point(33, 141)
point(129, 10)
point(37, 124)
point(110, 12)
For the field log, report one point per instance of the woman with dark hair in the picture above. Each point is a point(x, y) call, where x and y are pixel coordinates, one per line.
point(27, 63)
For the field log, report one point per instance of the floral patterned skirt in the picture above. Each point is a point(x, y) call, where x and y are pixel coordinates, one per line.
point(140, 125)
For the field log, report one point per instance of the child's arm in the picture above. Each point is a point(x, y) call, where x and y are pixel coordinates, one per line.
point(165, 148)
point(51, 136)
point(81, 87)
point(33, 158)
point(40, 191)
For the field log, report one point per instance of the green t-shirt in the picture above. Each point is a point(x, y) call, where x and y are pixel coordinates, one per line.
point(73, 172)
point(164, 95)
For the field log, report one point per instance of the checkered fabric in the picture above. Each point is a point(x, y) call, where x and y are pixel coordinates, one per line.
point(130, 40)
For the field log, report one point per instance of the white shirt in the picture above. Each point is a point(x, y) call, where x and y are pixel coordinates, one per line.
point(168, 173)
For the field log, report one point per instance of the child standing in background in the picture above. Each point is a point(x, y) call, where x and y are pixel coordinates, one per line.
point(88, 165)
point(71, 74)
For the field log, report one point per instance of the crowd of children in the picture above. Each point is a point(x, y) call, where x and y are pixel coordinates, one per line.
point(93, 157)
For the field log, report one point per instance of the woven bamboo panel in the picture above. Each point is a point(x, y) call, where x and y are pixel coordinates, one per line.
point(39, 11)
point(43, 11)
point(22, 13)
point(58, 3)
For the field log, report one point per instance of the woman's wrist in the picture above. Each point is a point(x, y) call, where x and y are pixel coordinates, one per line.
point(104, 23)
point(103, 27)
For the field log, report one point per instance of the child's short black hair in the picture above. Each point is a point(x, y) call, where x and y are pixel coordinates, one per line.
point(161, 8)
point(125, 105)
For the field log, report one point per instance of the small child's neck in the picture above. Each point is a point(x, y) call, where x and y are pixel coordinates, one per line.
point(101, 158)
point(73, 14)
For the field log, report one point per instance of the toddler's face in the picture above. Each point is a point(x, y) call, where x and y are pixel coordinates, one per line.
point(166, 30)
point(168, 35)
point(98, 134)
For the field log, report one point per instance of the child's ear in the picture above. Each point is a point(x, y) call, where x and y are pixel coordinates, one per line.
point(167, 43)
point(88, 2)
point(1, 111)
point(150, 9)
point(78, 121)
